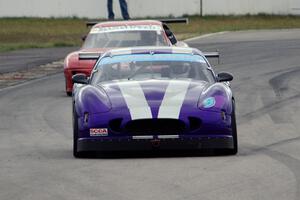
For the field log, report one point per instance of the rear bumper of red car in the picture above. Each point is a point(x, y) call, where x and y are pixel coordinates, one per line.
point(181, 143)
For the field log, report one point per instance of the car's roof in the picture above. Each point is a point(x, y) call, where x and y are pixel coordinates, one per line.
point(128, 23)
point(152, 50)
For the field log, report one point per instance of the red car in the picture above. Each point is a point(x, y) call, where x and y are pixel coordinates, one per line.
point(116, 34)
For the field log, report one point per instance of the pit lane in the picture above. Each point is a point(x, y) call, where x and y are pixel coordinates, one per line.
point(36, 136)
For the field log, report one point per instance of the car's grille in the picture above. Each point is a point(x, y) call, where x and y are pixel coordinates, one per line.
point(155, 127)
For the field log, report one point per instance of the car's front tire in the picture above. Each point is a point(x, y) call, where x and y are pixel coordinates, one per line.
point(76, 154)
point(234, 131)
point(233, 151)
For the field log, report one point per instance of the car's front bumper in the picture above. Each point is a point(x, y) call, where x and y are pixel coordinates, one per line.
point(186, 142)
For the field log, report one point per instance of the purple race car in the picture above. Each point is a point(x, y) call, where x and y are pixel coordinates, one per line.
point(146, 98)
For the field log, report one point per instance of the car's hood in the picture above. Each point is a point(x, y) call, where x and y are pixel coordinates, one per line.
point(73, 60)
point(159, 97)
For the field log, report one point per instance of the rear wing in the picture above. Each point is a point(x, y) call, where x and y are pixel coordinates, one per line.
point(165, 21)
point(212, 55)
point(92, 23)
point(174, 21)
point(89, 56)
point(95, 56)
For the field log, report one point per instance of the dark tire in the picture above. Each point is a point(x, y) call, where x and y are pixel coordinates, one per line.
point(69, 94)
point(234, 132)
point(75, 136)
point(234, 136)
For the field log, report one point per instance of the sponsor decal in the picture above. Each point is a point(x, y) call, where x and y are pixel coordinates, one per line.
point(126, 28)
point(209, 102)
point(98, 132)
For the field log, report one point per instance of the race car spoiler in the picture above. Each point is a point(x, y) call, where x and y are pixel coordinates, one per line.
point(166, 21)
point(212, 55)
point(89, 56)
point(95, 56)
point(174, 21)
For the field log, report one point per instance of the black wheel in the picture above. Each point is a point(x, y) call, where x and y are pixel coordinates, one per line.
point(234, 132)
point(69, 94)
point(75, 136)
point(234, 136)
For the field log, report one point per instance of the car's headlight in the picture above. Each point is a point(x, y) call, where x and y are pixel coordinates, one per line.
point(215, 98)
point(208, 102)
point(215, 103)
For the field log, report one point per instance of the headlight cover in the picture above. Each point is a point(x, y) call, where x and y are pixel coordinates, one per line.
point(209, 102)
point(215, 103)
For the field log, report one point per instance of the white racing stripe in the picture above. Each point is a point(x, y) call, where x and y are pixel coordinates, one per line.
point(142, 137)
point(173, 99)
point(168, 136)
point(135, 100)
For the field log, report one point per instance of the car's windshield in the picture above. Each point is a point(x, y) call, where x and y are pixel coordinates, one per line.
point(141, 70)
point(119, 39)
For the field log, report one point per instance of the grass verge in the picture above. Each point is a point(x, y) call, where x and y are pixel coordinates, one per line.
point(212, 24)
point(21, 33)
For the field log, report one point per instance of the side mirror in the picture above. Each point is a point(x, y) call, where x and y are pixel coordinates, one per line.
point(171, 36)
point(80, 78)
point(224, 77)
point(83, 38)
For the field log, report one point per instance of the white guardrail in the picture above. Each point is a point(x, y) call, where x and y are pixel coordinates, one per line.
point(145, 8)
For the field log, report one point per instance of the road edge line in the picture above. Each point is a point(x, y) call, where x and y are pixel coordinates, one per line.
point(205, 36)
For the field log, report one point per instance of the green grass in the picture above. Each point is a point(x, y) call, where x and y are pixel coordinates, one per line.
point(21, 33)
point(212, 24)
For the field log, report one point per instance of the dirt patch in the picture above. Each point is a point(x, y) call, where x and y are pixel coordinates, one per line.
point(14, 78)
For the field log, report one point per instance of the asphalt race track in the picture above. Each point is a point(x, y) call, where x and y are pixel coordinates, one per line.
point(28, 58)
point(36, 159)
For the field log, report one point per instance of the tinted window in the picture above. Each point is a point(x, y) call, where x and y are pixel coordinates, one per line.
point(142, 70)
point(125, 39)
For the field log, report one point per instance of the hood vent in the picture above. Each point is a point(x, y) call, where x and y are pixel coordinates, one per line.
point(89, 56)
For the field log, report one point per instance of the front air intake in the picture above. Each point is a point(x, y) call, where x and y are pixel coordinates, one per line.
point(195, 123)
point(115, 125)
point(155, 127)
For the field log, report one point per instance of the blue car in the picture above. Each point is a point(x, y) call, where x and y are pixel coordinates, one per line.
point(146, 98)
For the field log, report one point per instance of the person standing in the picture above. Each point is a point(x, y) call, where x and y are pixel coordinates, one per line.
point(123, 6)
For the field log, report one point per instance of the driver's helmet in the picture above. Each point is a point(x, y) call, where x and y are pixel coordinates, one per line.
point(180, 68)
